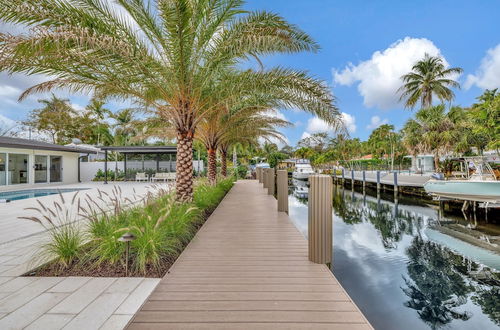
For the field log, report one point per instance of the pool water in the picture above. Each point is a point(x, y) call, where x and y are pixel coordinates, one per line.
point(401, 270)
point(32, 193)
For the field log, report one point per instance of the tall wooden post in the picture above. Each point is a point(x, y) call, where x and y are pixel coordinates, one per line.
point(378, 181)
point(364, 180)
point(396, 189)
point(282, 187)
point(352, 179)
point(265, 178)
point(259, 170)
point(270, 181)
point(320, 219)
point(343, 176)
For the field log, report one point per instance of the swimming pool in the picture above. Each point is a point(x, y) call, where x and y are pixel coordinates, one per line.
point(32, 193)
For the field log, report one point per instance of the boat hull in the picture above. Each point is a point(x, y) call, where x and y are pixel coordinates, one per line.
point(301, 176)
point(480, 191)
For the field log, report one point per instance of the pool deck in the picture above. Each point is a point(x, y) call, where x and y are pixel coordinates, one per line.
point(60, 302)
point(248, 268)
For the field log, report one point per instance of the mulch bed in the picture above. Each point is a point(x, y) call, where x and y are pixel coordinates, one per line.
point(103, 270)
point(53, 269)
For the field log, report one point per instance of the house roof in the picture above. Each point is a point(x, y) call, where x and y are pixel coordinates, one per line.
point(141, 149)
point(10, 142)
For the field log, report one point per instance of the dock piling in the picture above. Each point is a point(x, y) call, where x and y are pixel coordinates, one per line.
point(320, 219)
point(378, 182)
point(396, 189)
point(364, 180)
point(352, 180)
point(343, 176)
point(282, 187)
point(270, 181)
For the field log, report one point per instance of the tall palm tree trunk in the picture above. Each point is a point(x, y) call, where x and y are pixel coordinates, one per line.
point(212, 165)
point(184, 167)
point(223, 164)
point(436, 162)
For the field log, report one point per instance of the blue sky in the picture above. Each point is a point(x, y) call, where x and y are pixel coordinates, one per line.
point(366, 46)
point(352, 31)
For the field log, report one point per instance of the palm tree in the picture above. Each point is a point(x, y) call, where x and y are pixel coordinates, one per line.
point(240, 124)
point(437, 129)
point(98, 112)
point(248, 130)
point(165, 54)
point(412, 139)
point(428, 78)
point(124, 125)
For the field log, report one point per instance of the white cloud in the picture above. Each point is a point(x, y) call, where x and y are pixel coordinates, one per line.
point(318, 125)
point(275, 140)
point(77, 107)
point(380, 77)
point(305, 135)
point(488, 74)
point(273, 113)
point(349, 122)
point(376, 122)
point(6, 125)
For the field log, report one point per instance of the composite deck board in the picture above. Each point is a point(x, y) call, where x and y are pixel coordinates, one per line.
point(248, 268)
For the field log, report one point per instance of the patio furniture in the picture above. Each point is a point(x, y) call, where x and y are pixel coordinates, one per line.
point(141, 176)
point(165, 177)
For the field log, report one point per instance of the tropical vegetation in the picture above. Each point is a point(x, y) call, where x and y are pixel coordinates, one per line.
point(180, 59)
point(429, 77)
point(160, 225)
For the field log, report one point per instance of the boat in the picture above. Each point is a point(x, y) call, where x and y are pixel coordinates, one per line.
point(478, 183)
point(302, 169)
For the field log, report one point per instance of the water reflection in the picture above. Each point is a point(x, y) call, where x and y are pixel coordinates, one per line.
point(398, 273)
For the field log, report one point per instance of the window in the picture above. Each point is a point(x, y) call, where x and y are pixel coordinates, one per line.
point(41, 169)
point(3, 173)
point(55, 168)
point(18, 169)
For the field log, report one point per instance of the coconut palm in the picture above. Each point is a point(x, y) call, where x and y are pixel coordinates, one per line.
point(124, 125)
point(98, 112)
point(166, 54)
point(429, 77)
point(437, 131)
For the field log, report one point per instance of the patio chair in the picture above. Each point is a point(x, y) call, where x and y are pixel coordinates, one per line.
point(141, 176)
point(171, 176)
point(159, 177)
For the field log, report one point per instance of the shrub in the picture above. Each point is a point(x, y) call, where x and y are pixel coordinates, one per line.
point(65, 234)
point(162, 227)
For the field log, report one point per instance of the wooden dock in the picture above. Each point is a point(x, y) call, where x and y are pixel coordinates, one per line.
point(387, 178)
point(248, 268)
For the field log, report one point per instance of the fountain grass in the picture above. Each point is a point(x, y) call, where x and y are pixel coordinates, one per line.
point(162, 228)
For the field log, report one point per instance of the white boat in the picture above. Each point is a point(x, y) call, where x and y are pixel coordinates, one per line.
point(478, 183)
point(302, 169)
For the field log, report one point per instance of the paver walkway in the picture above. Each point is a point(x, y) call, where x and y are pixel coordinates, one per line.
point(60, 302)
point(247, 268)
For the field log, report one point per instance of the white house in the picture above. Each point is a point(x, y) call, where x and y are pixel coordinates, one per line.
point(30, 163)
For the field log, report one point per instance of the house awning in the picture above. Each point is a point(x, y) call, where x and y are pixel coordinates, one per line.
point(141, 149)
point(17, 143)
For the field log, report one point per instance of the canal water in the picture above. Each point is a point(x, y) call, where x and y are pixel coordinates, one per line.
point(402, 264)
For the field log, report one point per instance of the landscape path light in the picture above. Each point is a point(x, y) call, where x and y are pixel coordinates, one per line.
point(127, 238)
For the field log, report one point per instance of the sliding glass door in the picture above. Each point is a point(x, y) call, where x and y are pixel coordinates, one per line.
point(18, 169)
point(3, 169)
point(41, 174)
point(55, 168)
